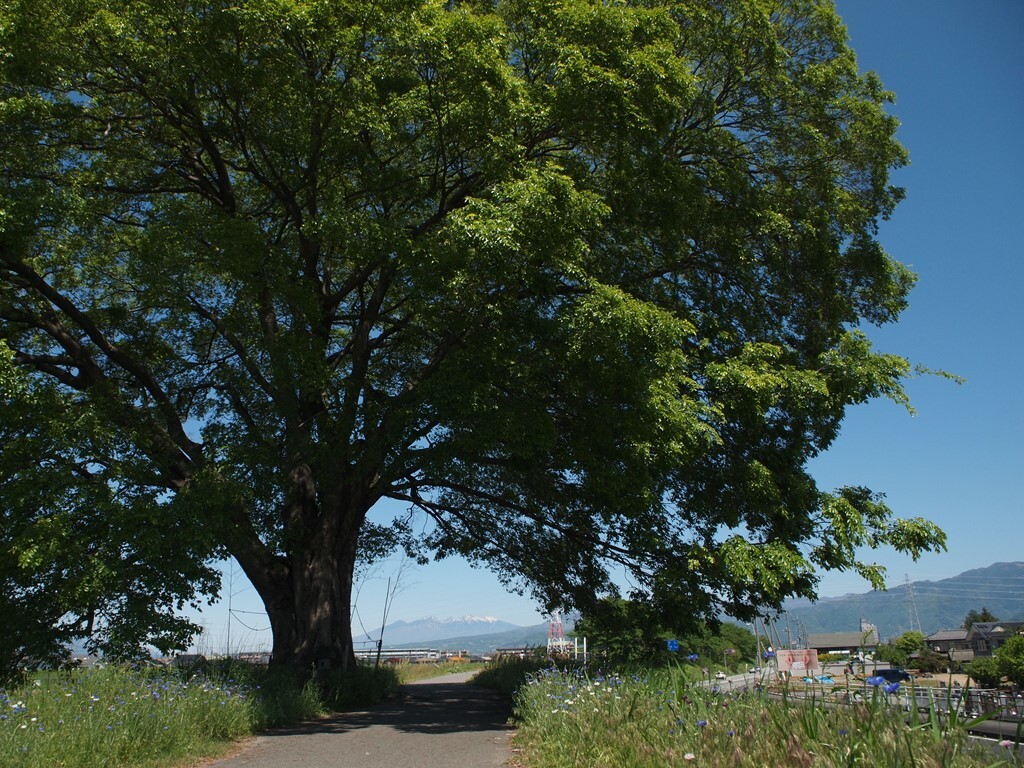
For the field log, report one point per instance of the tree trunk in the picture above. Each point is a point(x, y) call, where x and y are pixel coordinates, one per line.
point(308, 594)
point(322, 590)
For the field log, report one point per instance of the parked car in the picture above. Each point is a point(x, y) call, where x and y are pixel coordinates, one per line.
point(895, 675)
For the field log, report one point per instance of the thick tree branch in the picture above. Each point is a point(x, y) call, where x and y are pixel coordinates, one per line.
point(138, 371)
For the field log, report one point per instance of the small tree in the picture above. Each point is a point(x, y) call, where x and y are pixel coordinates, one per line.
point(622, 630)
point(897, 651)
point(891, 653)
point(984, 672)
point(910, 643)
point(1010, 660)
point(930, 661)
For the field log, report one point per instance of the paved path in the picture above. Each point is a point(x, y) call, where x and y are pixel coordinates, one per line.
point(439, 722)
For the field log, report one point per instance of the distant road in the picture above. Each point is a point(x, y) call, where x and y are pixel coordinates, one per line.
point(439, 722)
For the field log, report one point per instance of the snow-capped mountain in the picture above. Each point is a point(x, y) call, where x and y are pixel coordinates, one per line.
point(433, 628)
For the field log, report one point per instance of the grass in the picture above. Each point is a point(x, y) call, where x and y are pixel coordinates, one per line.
point(147, 718)
point(657, 718)
point(507, 674)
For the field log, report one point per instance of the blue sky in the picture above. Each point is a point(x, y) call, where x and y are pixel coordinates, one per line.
point(956, 69)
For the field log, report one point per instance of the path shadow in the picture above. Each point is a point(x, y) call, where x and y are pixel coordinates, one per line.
point(432, 708)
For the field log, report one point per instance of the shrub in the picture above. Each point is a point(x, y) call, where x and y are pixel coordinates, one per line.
point(507, 674)
point(985, 672)
point(1010, 660)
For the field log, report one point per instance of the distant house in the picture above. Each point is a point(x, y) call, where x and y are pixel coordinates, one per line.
point(952, 643)
point(985, 637)
point(87, 662)
point(946, 640)
point(844, 642)
point(399, 654)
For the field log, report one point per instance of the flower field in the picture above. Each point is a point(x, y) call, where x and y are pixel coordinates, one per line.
point(109, 717)
point(146, 718)
point(657, 719)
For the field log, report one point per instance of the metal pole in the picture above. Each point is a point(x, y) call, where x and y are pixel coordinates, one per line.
point(231, 589)
point(384, 620)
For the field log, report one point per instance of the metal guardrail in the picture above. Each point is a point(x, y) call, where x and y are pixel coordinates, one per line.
point(967, 702)
point(974, 702)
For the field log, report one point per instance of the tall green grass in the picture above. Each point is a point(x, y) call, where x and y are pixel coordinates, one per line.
point(122, 717)
point(507, 674)
point(658, 719)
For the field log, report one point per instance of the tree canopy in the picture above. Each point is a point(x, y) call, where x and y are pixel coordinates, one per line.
point(1010, 659)
point(984, 671)
point(580, 284)
point(910, 649)
point(899, 650)
point(977, 617)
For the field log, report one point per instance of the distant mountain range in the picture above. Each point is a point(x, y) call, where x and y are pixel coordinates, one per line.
point(482, 639)
point(432, 629)
point(925, 605)
point(935, 605)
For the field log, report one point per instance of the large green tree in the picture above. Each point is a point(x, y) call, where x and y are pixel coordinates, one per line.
point(578, 282)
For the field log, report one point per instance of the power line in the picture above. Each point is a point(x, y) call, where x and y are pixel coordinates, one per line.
point(994, 594)
point(1010, 591)
point(251, 629)
point(976, 594)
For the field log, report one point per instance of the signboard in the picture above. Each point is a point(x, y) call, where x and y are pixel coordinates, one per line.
point(799, 662)
point(673, 645)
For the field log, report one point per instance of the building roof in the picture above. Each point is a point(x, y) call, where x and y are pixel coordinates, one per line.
point(844, 640)
point(999, 629)
point(947, 635)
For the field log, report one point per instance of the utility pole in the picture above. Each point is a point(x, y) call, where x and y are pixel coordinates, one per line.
point(773, 634)
point(771, 663)
point(231, 594)
point(383, 623)
point(231, 588)
point(232, 613)
point(804, 636)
